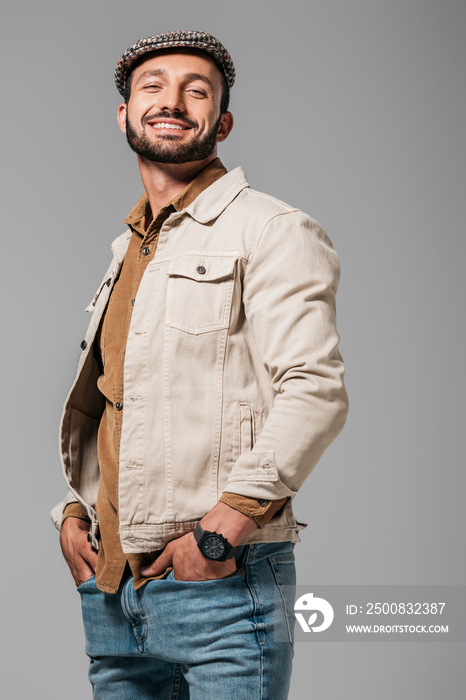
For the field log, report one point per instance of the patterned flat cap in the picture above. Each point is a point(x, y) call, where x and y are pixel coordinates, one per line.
point(189, 40)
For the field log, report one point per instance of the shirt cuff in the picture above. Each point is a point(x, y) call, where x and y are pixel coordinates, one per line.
point(74, 510)
point(260, 509)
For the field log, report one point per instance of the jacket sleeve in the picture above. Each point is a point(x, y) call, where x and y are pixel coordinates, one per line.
point(289, 293)
point(57, 513)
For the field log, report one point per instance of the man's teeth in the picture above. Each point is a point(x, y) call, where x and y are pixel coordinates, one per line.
point(165, 125)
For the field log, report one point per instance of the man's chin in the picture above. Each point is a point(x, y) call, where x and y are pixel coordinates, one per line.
point(169, 157)
point(175, 154)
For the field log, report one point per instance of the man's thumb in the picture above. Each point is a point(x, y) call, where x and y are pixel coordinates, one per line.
point(158, 566)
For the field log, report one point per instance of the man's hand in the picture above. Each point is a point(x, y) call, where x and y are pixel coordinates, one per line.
point(79, 554)
point(189, 564)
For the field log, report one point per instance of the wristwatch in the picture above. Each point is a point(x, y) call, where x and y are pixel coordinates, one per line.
point(212, 545)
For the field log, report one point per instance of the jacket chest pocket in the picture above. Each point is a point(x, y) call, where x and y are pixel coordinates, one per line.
point(199, 292)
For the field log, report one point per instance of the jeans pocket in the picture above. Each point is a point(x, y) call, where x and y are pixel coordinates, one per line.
point(82, 586)
point(284, 572)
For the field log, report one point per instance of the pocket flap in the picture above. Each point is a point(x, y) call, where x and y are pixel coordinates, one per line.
point(202, 267)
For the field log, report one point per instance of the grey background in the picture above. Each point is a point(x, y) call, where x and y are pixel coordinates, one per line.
point(354, 112)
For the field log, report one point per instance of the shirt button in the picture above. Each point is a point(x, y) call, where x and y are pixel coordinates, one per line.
point(118, 405)
point(201, 269)
point(146, 250)
point(83, 345)
point(263, 502)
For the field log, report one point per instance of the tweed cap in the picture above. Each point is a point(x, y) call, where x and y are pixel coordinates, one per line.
point(185, 39)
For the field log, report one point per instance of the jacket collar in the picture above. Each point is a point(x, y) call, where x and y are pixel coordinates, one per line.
point(206, 207)
point(215, 199)
point(204, 178)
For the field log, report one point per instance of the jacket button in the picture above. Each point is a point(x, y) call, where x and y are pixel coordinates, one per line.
point(132, 302)
point(119, 405)
point(263, 502)
point(201, 269)
point(146, 250)
point(83, 345)
point(108, 282)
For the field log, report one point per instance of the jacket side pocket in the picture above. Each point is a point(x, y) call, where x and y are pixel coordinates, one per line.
point(246, 428)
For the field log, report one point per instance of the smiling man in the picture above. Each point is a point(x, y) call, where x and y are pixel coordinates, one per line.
point(182, 138)
point(209, 385)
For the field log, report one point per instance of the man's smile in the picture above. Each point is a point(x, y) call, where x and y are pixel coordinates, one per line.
point(162, 123)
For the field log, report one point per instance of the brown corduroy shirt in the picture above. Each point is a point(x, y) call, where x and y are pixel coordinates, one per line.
point(112, 338)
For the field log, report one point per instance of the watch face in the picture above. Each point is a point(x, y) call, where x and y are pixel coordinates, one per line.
point(213, 547)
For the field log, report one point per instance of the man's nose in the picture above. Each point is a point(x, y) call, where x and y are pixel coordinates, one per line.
point(172, 99)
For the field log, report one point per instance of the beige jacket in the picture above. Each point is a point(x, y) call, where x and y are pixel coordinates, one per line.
point(234, 383)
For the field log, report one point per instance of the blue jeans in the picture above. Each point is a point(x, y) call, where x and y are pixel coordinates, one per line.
point(202, 640)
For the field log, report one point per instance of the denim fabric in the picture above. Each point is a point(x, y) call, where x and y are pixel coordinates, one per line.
point(202, 640)
point(235, 371)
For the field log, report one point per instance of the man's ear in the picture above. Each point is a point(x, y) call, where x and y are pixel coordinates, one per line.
point(226, 125)
point(121, 116)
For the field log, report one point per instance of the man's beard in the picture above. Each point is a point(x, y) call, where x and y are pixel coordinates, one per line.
point(168, 150)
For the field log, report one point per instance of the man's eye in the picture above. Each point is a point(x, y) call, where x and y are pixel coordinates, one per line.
point(197, 92)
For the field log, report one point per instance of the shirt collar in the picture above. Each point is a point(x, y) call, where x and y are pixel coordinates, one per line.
point(141, 213)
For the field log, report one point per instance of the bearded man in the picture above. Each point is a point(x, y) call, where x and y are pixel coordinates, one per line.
point(209, 385)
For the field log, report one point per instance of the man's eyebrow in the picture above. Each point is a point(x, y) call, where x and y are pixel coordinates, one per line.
point(153, 73)
point(200, 76)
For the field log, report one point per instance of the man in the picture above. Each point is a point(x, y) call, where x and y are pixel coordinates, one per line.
point(209, 385)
